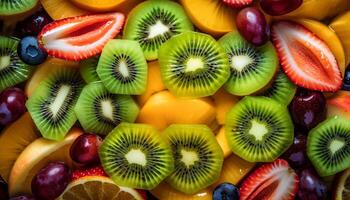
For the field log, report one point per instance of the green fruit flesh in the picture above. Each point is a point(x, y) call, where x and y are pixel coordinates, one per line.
point(88, 69)
point(12, 7)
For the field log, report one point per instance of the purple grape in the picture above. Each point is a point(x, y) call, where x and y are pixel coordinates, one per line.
point(296, 154)
point(279, 7)
point(84, 150)
point(32, 25)
point(12, 105)
point(311, 186)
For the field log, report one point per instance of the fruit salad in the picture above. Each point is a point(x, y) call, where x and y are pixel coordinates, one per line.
point(175, 100)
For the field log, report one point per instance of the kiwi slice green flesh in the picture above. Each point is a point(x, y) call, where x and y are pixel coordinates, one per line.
point(281, 90)
point(12, 7)
point(12, 69)
point(151, 23)
point(193, 65)
point(52, 103)
point(99, 111)
point(259, 129)
point(197, 155)
point(122, 67)
point(88, 69)
point(252, 68)
point(328, 146)
point(134, 155)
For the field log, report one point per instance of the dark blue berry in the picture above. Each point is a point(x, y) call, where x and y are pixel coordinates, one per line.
point(226, 191)
point(30, 52)
point(346, 82)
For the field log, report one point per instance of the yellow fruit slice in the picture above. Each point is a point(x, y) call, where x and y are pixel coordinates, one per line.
point(165, 192)
point(97, 188)
point(36, 156)
point(13, 140)
point(154, 83)
point(221, 138)
point(58, 9)
point(341, 27)
point(329, 37)
point(210, 16)
point(49, 66)
point(342, 189)
point(224, 101)
point(106, 5)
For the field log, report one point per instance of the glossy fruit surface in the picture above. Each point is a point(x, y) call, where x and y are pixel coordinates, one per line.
point(296, 154)
point(12, 105)
point(226, 191)
point(238, 3)
point(30, 52)
point(252, 25)
point(338, 105)
point(91, 171)
point(3, 189)
point(23, 197)
point(51, 181)
point(84, 150)
point(311, 187)
point(32, 25)
point(308, 108)
point(279, 7)
point(346, 81)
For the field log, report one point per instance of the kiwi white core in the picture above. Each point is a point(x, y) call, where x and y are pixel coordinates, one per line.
point(240, 62)
point(5, 61)
point(193, 64)
point(61, 96)
point(258, 130)
point(107, 109)
point(189, 157)
point(136, 156)
point(123, 68)
point(336, 145)
point(157, 29)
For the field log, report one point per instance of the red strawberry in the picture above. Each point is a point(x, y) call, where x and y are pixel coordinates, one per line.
point(271, 181)
point(238, 3)
point(305, 58)
point(77, 38)
point(93, 171)
point(143, 193)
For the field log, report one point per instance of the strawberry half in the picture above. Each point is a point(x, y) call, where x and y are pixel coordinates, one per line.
point(271, 181)
point(77, 38)
point(92, 171)
point(305, 58)
point(237, 3)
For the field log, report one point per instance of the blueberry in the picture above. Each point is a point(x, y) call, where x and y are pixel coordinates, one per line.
point(226, 191)
point(30, 52)
point(346, 82)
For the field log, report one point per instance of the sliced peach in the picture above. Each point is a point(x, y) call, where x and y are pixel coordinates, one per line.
point(221, 138)
point(106, 5)
point(339, 105)
point(224, 101)
point(163, 109)
point(13, 140)
point(58, 9)
point(210, 16)
point(342, 28)
point(154, 83)
point(36, 156)
point(165, 192)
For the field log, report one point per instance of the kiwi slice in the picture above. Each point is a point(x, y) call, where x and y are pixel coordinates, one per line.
point(122, 67)
point(52, 103)
point(281, 90)
point(88, 69)
point(259, 129)
point(153, 22)
point(12, 69)
point(134, 155)
point(12, 7)
point(99, 111)
point(252, 68)
point(328, 146)
point(197, 155)
point(193, 65)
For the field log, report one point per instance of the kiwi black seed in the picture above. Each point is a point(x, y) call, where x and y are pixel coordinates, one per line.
point(281, 90)
point(328, 146)
point(197, 155)
point(122, 67)
point(134, 155)
point(12, 69)
point(52, 103)
point(99, 111)
point(88, 69)
point(153, 22)
point(193, 65)
point(252, 68)
point(12, 7)
point(259, 129)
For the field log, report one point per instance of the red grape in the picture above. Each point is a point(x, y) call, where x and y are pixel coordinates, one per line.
point(12, 105)
point(32, 25)
point(311, 186)
point(279, 7)
point(84, 150)
point(296, 154)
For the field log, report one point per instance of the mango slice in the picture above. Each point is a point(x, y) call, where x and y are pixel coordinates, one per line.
point(342, 28)
point(224, 101)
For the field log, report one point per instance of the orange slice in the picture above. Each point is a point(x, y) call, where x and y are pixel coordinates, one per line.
point(342, 191)
point(98, 188)
point(341, 27)
point(36, 156)
point(224, 101)
point(58, 9)
point(107, 5)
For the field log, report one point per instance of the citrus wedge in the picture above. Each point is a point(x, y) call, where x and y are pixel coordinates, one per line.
point(98, 188)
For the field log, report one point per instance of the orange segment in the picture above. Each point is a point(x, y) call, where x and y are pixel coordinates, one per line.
point(36, 156)
point(221, 138)
point(106, 5)
point(58, 9)
point(224, 101)
point(13, 140)
point(341, 27)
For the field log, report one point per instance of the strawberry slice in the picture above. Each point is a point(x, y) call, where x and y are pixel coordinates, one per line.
point(305, 58)
point(92, 171)
point(271, 181)
point(77, 38)
point(237, 3)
